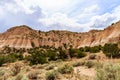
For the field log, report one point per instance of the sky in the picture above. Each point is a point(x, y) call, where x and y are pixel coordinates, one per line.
point(71, 15)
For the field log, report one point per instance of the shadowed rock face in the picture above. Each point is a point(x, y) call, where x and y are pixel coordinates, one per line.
point(23, 36)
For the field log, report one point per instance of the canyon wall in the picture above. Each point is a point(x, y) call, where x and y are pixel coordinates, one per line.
point(24, 37)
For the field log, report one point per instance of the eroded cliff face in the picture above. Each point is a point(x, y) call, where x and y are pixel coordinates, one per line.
point(23, 37)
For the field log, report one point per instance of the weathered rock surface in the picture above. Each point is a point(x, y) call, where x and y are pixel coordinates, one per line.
point(23, 37)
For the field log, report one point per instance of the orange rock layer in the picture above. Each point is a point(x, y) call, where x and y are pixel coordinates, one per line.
point(23, 36)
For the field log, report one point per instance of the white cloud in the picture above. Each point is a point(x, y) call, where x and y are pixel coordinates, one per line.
point(10, 7)
point(77, 15)
point(87, 13)
point(52, 4)
point(116, 13)
point(24, 6)
point(71, 23)
point(17, 13)
point(102, 21)
point(59, 18)
point(63, 20)
point(49, 6)
point(16, 6)
point(91, 9)
point(94, 22)
point(1, 11)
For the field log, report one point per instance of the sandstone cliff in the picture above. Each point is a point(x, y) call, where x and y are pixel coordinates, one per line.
point(23, 37)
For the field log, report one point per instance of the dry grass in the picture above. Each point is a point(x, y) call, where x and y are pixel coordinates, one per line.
point(22, 71)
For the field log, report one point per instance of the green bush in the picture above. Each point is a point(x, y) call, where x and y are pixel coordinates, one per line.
point(76, 53)
point(9, 50)
point(109, 72)
point(37, 57)
point(95, 49)
point(51, 54)
point(82, 49)
point(62, 54)
point(52, 75)
point(10, 58)
point(99, 65)
point(33, 44)
point(87, 49)
point(66, 69)
point(81, 54)
point(73, 52)
point(89, 64)
point(19, 56)
point(2, 60)
point(111, 50)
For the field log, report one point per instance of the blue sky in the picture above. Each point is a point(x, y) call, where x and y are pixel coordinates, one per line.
point(72, 15)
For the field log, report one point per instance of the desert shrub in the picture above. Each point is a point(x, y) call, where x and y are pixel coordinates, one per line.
point(19, 77)
point(2, 72)
point(81, 54)
point(6, 49)
point(76, 53)
point(99, 65)
point(59, 60)
point(80, 63)
point(7, 58)
point(42, 66)
point(92, 56)
point(2, 60)
point(9, 50)
point(82, 49)
point(65, 69)
point(73, 52)
point(52, 75)
point(89, 64)
point(109, 72)
point(76, 64)
point(11, 58)
point(112, 24)
point(87, 49)
point(51, 54)
point(111, 50)
point(1, 78)
point(37, 57)
point(50, 67)
point(95, 49)
point(33, 75)
point(16, 68)
point(9, 78)
point(65, 45)
point(33, 44)
point(18, 56)
point(26, 68)
point(6, 75)
point(62, 54)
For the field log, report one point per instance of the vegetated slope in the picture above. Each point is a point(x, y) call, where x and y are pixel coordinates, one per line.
point(25, 37)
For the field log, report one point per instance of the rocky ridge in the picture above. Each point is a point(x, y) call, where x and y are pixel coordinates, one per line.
point(24, 36)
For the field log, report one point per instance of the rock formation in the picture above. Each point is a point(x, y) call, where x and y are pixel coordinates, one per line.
point(24, 37)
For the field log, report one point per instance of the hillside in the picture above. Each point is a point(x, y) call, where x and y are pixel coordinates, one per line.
point(24, 37)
